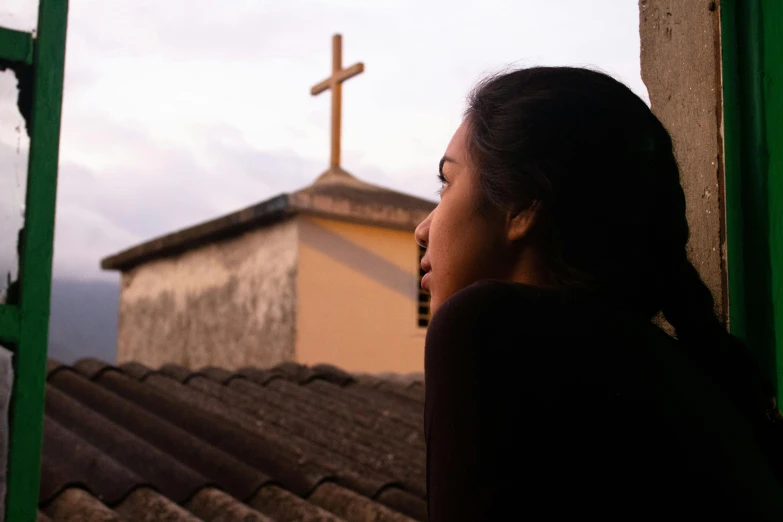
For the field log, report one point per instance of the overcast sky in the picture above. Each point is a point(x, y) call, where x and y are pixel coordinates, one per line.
point(177, 111)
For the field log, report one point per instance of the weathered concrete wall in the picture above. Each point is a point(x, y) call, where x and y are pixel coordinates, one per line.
point(357, 297)
point(229, 304)
point(680, 58)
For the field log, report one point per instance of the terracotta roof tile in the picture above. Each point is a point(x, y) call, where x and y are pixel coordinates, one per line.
point(177, 372)
point(417, 389)
point(218, 374)
point(387, 416)
point(284, 505)
point(147, 505)
point(213, 504)
point(91, 368)
point(136, 370)
point(404, 502)
point(199, 416)
point(403, 391)
point(76, 504)
point(358, 446)
point(308, 401)
point(228, 472)
point(299, 398)
point(260, 376)
point(392, 389)
point(52, 365)
point(284, 443)
point(79, 463)
point(352, 506)
point(177, 481)
point(332, 374)
point(376, 449)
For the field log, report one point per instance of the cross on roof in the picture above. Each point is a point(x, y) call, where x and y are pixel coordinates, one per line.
point(334, 82)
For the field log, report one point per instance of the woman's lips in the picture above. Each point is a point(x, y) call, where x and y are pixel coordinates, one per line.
point(425, 280)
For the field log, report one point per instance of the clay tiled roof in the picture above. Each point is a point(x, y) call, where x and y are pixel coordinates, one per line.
point(282, 444)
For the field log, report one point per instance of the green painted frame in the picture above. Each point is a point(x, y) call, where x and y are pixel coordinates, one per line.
point(752, 60)
point(40, 60)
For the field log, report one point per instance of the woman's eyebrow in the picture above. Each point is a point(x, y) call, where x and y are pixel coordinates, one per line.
point(443, 160)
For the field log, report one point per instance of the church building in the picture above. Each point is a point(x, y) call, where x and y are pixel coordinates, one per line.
point(327, 274)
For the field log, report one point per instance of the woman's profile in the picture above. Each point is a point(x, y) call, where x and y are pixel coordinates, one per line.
point(560, 234)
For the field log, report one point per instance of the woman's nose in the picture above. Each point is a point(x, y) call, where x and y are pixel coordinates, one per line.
point(422, 233)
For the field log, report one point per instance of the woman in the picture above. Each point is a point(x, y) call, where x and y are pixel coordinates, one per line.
point(560, 234)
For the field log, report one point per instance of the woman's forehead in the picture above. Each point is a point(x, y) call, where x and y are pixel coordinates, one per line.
point(457, 148)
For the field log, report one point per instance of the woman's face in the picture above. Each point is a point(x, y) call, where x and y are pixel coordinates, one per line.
point(464, 244)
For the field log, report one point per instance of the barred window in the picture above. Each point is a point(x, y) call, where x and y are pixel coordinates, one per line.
point(423, 317)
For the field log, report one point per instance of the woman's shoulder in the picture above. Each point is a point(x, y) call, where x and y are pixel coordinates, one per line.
point(492, 318)
point(493, 304)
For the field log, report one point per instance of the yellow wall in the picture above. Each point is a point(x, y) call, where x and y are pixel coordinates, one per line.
point(357, 291)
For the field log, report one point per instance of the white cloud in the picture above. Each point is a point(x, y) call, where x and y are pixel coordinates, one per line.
point(82, 238)
point(178, 110)
point(19, 14)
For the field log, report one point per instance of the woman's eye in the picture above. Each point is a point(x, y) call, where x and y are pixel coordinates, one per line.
point(443, 182)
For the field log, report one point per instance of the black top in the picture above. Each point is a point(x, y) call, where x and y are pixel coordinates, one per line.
point(547, 404)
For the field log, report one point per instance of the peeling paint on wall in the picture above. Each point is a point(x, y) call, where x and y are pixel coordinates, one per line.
point(231, 303)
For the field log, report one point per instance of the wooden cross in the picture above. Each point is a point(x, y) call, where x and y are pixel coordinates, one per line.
point(334, 82)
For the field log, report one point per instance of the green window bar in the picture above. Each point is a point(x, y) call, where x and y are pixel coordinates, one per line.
point(16, 46)
point(752, 56)
point(38, 61)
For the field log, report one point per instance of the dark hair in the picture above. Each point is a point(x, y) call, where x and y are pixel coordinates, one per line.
point(603, 169)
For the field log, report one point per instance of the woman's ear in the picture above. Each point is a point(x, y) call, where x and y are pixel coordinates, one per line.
point(520, 223)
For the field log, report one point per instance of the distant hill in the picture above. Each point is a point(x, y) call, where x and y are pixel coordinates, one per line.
point(83, 320)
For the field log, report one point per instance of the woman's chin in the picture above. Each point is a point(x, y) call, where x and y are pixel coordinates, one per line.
point(434, 304)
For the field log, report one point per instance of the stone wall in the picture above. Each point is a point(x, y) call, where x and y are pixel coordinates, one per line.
point(230, 303)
